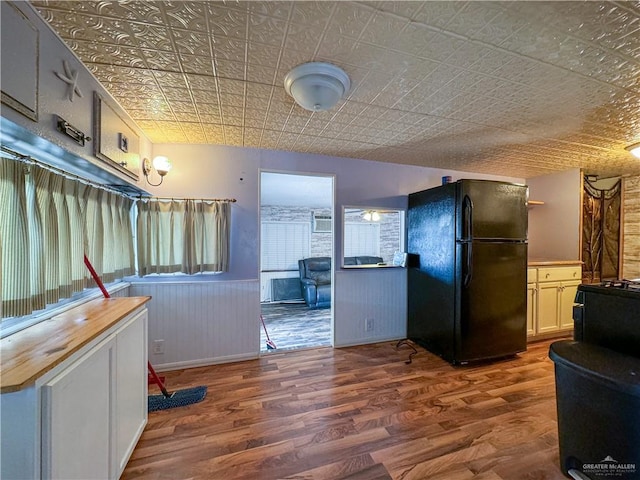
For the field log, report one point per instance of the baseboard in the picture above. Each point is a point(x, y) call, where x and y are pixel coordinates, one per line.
point(204, 362)
point(367, 341)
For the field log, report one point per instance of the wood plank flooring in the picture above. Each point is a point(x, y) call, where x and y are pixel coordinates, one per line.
point(358, 413)
point(294, 325)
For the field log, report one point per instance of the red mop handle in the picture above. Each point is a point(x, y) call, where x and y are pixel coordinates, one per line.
point(157, 381)
point(153, 373)
point(95, 276)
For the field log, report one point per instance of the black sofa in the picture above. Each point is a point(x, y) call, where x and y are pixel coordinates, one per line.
point(315, 277)
point(362, 260)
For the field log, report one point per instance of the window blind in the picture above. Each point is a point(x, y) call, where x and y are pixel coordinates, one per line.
point(283, 244)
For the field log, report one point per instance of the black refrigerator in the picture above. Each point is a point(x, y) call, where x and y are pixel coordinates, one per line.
point(467, 278)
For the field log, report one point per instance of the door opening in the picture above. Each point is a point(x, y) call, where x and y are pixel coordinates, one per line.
point(296, 261)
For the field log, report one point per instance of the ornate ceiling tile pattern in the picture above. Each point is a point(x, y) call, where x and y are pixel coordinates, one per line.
point(514, 88)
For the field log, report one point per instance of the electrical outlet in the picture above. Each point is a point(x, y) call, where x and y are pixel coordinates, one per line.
point(158, 347)
point(368, 324)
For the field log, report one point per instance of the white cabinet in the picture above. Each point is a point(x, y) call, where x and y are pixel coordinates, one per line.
point(76, 428)
point(567, 298)
point(131, 388)
point(551, 299)
point(82, 418)
point(548, 307)
point(95, 410)
point(532, 308)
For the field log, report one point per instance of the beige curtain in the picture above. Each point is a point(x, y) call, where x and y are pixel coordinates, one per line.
point(187, 236)
point(48, 223)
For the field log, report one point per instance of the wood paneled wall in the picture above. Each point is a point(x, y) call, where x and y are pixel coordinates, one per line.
point(202, 323)
point(631, 228)
point(379, 294)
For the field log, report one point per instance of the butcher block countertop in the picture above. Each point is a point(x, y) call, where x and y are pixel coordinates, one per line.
point(27, 355)
point(551, 263)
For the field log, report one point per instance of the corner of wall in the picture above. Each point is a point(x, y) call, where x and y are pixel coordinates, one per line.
point(554, 228)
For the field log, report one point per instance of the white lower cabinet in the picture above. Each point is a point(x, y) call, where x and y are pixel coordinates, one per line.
point(95, 410)
point(532, 308)
point(551, 298)
point(82, 419)
point(131, 389)
point(77, 418)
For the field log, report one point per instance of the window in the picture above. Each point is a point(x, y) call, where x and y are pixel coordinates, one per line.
point(49, 222)
point(283, 244)
point(182, 236)
point(372, 231)
point(361, 239)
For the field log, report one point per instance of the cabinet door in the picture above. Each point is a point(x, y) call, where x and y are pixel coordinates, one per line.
point(548, 307)
point(131, 387)
point(531, 308)
point(567, 299)
point(76, 436)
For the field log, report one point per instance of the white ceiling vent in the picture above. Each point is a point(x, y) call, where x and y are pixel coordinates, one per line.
point(321, 223)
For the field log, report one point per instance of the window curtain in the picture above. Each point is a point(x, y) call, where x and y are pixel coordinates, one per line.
point(186, 236)
point(48, 223)
point(600, 232)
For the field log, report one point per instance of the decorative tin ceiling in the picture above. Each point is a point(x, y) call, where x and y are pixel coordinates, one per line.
point(516, 88)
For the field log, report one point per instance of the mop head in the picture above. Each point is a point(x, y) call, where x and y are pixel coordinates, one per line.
point(179, 398)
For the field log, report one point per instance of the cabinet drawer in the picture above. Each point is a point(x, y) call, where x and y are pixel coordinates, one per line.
point(532, 275)
point(556, 274)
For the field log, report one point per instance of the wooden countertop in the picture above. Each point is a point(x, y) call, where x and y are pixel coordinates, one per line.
point(551, 263)
point(30, 353)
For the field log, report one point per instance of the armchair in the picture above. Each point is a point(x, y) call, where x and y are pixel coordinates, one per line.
point(315, 281)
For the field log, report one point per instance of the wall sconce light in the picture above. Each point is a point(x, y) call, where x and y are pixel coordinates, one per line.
point(317, 86)
point(371, 216)
point(634, 149)
point(161, 165)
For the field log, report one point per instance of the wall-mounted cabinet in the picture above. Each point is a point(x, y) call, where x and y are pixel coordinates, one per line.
point(551, 292)
point(48, 107)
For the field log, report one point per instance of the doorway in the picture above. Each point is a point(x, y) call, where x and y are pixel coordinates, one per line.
point(296, 231)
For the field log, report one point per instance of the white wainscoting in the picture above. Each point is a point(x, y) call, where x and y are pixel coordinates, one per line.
point(374, 293)
point(202, 323)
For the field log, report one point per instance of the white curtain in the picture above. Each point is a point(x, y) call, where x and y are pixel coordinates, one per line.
point(48, 223)
point(187, 236)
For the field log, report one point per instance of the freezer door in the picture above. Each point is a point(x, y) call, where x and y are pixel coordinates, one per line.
point(491, 210)
point(491, 300)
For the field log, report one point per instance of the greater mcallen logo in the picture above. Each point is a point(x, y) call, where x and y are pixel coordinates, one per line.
point(609, 467)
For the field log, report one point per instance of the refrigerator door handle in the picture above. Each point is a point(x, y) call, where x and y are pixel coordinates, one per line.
point(468, 264)
point(467, 209)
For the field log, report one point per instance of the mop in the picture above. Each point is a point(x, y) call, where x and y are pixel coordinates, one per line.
point(270, 344)
point(179, 398)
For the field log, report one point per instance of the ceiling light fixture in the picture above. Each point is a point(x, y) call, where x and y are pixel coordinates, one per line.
point(634, 149)
point(371, 216)
point(161, 164)
point(317, 86)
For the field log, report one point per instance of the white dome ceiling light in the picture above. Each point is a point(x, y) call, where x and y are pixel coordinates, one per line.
point(317, 86)
point(634, 149)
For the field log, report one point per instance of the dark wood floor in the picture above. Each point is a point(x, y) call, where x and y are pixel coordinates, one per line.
point(358, 413)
